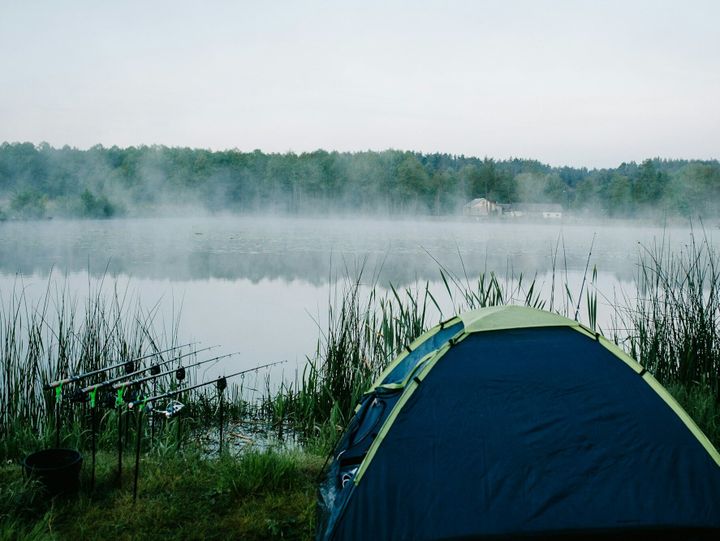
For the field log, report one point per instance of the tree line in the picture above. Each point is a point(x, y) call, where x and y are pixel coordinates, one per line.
point(41, 181)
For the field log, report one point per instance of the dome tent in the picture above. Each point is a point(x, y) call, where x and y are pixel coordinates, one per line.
point(511, 422)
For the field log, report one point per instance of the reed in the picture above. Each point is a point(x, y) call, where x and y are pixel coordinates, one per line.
point(671, 327)
point(367, 328)
point(56, 337)
point(674, 322)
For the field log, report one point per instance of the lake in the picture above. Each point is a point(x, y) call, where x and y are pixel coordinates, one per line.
point(261, 285)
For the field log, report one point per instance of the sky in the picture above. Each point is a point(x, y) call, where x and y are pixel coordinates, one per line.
point(582, 83)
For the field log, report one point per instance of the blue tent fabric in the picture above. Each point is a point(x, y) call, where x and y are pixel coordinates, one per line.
point(408, 364)
point(531, 432)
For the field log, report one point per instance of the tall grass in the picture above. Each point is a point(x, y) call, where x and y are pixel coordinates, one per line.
point(674, 323)
point(365, 331)
point(367, 328)
point(670, 326)
point(54, 338)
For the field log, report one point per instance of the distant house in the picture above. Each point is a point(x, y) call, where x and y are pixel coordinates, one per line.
point(481, 207)
point(550, 211)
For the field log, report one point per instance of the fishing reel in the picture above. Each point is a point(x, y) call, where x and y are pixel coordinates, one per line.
point(180, 373)
point(108, 400)
point(78, 396)
point(173, 408)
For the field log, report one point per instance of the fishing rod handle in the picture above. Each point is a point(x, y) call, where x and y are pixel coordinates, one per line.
point(58, 383)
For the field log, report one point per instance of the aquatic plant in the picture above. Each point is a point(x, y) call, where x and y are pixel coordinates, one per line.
point(673, 325)
point(367, 328)
point(52, 339)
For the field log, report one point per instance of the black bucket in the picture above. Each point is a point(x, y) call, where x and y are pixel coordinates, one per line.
point(57, 469)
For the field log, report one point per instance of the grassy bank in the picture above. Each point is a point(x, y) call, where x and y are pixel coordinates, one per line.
point(261, 495)
point(671, 326)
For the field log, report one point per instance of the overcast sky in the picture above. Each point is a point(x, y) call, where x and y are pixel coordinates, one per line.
point(590, 83)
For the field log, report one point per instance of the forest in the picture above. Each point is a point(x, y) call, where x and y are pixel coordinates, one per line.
point(40, 181)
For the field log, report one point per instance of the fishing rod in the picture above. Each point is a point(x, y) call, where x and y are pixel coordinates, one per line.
point(143, 401)
point(92, 390)
point(220, 383)
point(58, 385)
point(124, 384)
point(109, 382)
point(78, 377)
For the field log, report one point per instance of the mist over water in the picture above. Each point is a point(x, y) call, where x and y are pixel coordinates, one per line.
point(317, 250)
point(261, 285)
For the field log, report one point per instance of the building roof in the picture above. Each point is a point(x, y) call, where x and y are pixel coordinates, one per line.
point(479, 200)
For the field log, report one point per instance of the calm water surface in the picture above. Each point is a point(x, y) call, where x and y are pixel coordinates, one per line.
point(261, 285)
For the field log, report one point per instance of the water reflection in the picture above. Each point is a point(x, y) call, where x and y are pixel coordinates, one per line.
point(288, 249)
point(261, 286)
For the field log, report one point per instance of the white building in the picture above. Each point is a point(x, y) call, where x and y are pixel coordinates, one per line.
point(481, 207)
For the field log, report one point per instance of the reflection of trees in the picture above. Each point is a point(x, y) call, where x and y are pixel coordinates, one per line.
point(313, 250)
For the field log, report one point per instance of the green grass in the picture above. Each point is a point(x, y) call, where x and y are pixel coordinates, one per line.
point(259, 495)
point(364, 333)
point(702, 406)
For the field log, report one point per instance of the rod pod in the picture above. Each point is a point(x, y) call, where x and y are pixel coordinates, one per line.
point(138, 442)
point(221, 385)
point(93, 432)
point(154, 371)
point(118, 407)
